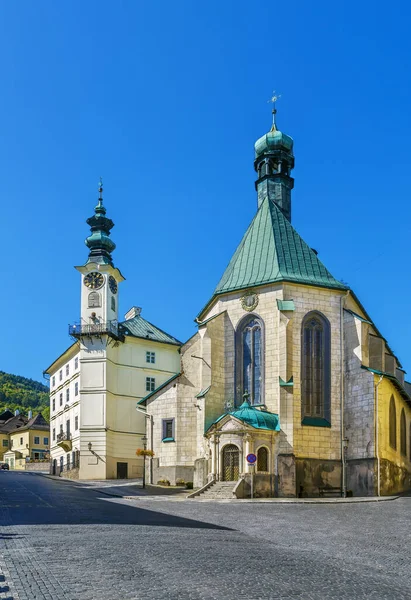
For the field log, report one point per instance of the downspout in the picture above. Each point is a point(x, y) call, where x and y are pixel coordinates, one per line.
point(343, 450)
point(377, 449)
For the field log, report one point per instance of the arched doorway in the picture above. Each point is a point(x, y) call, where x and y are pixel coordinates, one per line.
point(231, 463)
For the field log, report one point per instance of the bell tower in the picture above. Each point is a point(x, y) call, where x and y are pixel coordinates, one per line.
point(273, 162)
point(99, 278)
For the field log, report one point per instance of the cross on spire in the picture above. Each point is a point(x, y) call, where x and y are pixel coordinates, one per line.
point(273, 101)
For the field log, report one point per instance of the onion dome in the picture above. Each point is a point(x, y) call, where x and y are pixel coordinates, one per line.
point(273, 140)
point(99, 241)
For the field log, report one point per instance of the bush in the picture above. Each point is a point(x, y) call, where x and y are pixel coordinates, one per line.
point(180, 482)
point(189, 485)
point(163, 482)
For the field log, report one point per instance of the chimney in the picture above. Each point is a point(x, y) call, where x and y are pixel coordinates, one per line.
point(30, 414)
point(133, 312)
point(16, 412)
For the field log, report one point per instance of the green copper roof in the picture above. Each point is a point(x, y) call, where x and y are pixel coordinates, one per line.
point(270, 251)
point(272, 140)
point(139, 327)
point(259, 419)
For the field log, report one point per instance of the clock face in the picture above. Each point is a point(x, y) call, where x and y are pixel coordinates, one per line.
point(94, 280)
point(113, 284)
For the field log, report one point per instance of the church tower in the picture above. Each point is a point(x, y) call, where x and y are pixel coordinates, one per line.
point(100, 279)
point(273, 162)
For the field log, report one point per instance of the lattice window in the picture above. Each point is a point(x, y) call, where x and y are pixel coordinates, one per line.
point(393, 424)
point(262, 459)
point(315, 367)
point(403, 434)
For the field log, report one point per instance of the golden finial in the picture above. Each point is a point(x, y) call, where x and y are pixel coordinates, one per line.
point(273, 101)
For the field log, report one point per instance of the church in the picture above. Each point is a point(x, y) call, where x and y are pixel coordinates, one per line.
point(286, 366)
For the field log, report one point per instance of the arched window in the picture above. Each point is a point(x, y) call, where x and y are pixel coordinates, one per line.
point(249, 360)
point(316, 370)
point(262, 459)
point(403, 434)
point(393, 424)
point(94, 300)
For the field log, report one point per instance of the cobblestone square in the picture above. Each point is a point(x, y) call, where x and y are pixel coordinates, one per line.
point(60, 541)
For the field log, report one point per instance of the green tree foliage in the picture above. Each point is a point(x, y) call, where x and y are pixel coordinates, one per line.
point(20, 393)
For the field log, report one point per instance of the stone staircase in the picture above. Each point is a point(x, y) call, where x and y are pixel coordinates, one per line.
point(220, 490)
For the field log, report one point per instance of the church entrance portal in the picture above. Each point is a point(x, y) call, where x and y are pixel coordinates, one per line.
point(231, 463)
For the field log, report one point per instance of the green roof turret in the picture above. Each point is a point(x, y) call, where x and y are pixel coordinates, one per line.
point(273, 162)
point(99, 242)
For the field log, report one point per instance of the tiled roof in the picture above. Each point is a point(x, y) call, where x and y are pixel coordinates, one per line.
point(38, 422)
point(16, 422)
point(270, 251)
point(139, 327)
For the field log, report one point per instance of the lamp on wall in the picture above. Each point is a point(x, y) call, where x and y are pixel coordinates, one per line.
point(89, 445)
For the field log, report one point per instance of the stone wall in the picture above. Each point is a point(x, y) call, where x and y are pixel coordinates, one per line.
point(314, 474)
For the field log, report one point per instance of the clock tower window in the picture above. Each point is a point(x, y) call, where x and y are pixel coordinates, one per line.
point(94, 300)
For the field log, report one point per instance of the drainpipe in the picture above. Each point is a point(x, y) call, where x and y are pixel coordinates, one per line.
point(377, 449)
point(343, 440)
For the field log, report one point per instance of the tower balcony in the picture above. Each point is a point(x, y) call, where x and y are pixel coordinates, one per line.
point(64, 441)
point(111, 328)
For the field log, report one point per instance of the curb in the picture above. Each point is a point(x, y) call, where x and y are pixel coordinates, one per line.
point(166, 498)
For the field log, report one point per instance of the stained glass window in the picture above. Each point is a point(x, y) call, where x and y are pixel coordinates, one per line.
point(315, 371)
point(249, 356)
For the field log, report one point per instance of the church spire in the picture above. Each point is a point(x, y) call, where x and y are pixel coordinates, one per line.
point(99, 242)
point(273, 162)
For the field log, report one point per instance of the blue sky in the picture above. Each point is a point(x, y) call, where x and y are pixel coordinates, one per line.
point(164, 101)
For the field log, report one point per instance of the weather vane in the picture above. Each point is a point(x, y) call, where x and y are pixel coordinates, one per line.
point(273, 101)
point(100, 187)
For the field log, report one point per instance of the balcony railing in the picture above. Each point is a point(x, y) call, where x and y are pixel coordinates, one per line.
point(64, 440)
point(110, 328)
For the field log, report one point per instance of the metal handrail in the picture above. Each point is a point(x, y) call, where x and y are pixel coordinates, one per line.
point(94, 328)
point(63, 436)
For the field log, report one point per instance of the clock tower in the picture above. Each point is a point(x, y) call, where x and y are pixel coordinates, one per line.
point(100, 279)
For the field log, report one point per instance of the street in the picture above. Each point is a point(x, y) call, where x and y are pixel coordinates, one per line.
point(60, 541)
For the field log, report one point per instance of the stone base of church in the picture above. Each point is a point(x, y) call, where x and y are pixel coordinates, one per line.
point(264, 486)
point(361, 477)
point(313, 475)
point(393, 478)
point(172, 472)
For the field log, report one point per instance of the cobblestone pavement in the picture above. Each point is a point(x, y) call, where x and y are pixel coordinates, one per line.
point(59, 541)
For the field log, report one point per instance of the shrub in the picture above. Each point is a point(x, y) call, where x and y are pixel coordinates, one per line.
point(163, 482)
point(189, 485)
point(180, 482)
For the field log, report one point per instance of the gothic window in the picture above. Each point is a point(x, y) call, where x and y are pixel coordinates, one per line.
point(262, 459)
point(94, 300)
point(403, 434)
point(316, 370)
point(393, 424)
point(250, 360)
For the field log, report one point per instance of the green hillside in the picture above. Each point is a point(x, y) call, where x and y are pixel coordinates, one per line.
point(24, 394)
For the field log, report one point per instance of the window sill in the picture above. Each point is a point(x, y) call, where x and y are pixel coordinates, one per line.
point(168, 440)
point(315, 422)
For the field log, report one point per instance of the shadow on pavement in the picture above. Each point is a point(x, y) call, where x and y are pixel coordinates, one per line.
point(41, 501)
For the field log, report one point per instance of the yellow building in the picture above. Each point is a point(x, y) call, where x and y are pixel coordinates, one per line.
point(23, 439)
